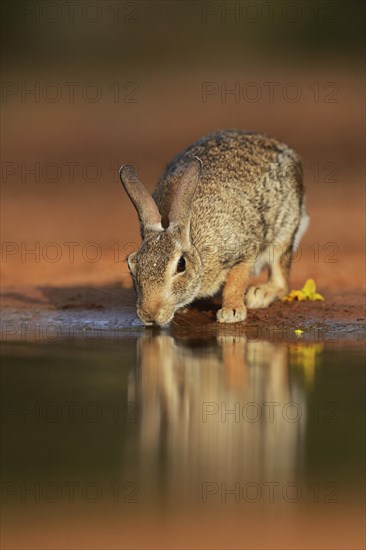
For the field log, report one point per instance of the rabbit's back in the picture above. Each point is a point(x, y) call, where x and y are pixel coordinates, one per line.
point(234, 155)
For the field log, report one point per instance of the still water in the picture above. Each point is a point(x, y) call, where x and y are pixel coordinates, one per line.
point(162, 442)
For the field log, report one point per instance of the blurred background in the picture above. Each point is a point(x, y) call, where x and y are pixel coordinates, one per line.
point(88, 86)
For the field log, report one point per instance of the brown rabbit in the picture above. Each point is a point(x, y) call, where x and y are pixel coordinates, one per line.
point(230, 204)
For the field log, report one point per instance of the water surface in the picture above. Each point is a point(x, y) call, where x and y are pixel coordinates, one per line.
point(162, 442)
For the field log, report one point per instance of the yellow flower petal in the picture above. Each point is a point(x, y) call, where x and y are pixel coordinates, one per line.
point(308, 292)
point(309, 287)
point(317, 296)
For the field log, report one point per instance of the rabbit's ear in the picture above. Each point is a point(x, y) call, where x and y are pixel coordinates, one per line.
point(147, 210)
point(181, 205)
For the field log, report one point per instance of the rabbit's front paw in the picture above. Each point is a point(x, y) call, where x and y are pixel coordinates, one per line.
point(231, 315)
point(263, 295)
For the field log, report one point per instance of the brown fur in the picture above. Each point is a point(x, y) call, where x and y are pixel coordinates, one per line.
point(248, 198)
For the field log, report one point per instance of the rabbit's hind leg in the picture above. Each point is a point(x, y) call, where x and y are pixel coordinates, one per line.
point(277, 286)
point(233, 307)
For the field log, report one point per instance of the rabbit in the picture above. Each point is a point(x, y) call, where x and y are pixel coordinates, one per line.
point(226, 207)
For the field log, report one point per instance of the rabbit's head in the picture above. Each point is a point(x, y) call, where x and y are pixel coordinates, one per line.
point(166, 269)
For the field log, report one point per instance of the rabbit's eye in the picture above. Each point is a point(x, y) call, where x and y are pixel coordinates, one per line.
point(181, 265)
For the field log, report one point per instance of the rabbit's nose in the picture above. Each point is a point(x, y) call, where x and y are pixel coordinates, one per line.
point(153, 308)
point(148, 315)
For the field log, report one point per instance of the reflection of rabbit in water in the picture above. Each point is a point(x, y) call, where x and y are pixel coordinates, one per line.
point(230, 204)
point(185, 395)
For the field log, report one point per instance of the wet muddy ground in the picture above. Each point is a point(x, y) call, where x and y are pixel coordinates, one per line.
point(53, 313)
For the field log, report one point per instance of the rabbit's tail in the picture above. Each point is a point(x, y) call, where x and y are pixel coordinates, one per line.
point(303, 225)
